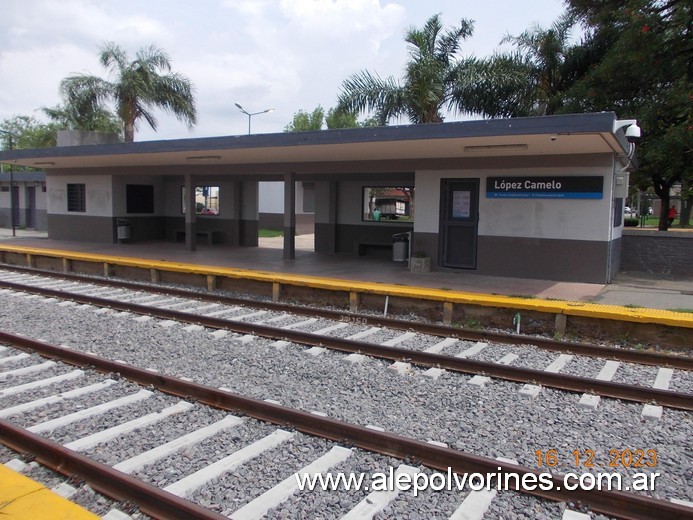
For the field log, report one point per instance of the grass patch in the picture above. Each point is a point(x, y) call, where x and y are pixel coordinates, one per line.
point(270, 233)
point(522, 296)
point(633, 306)
point(687, 311)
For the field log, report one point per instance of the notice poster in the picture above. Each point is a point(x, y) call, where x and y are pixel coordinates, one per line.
point(461, 204)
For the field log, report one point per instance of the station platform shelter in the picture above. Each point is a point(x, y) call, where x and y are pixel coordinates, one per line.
point(535, 198)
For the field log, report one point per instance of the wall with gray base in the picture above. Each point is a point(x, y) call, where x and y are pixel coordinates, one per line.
point(82, 228)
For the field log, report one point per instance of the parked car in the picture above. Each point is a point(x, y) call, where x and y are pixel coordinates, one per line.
point(629, 213)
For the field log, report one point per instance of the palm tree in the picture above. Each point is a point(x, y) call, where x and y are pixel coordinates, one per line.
point(531, 80)
point(549, 59)
point(429, 78)
point(138, 87)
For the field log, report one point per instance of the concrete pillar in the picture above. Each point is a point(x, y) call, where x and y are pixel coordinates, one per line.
point(211, 283)
point(155, 275)
point(289, 216)
point(67, 265)
point(190, 239)
point(326, 216)
point(236, 214)
point(276, 291)
point(354, 301)
point(447, 313)
point(561, 324)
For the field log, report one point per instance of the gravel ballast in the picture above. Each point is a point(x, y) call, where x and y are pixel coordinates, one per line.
point(491, 421)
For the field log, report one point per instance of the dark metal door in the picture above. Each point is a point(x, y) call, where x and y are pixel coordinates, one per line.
point(459, 220)
point(15, 206)
point(30, 207)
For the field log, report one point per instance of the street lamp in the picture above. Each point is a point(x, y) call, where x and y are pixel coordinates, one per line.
point(253, 114)
point(14, 233)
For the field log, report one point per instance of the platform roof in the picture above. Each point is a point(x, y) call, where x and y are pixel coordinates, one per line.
point(413, 146)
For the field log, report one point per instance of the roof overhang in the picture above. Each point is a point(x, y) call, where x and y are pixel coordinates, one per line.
point(532, 136)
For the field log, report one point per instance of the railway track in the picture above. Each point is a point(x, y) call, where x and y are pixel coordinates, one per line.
point(256, 351)
point(355, 336)
point(92, 420)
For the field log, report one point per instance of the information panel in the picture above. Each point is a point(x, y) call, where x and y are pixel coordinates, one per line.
point(544, 187)
point(461, 204)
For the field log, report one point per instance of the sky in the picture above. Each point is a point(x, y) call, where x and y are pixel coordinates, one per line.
point(288, 55)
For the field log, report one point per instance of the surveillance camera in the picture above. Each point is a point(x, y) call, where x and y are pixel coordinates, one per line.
point(633, 133)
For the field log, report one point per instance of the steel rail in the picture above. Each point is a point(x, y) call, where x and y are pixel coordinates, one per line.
point(565, 382)
point(613, 503)
point(626, 355)
point(151, 500)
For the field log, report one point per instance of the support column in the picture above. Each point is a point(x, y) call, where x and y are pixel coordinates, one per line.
point(190, 242)
point(332, 212)
point(236, 215)
point(289, 216)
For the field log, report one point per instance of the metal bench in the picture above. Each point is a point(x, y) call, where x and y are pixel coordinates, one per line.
point(212, 237)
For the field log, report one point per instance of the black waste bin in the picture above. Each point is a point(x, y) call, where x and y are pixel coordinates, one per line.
point(400, 247)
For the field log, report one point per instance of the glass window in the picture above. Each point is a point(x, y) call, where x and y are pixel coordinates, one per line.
point(139, 198)
point(206, 200)
point(76, 198)
point(388, 204)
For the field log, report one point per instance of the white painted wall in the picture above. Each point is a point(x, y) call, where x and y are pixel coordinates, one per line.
point(572, 219)
point(272, 197)
point(249, 200)
point(99, 201)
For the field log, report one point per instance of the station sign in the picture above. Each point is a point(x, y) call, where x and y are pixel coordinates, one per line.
point(545, 187)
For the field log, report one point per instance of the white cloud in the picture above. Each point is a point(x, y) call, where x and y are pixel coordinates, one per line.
point(282, 54)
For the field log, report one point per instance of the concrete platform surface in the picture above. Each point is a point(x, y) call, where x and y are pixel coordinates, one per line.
point(629, 289)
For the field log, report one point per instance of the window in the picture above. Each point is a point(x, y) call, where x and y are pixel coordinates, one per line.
point(76, 198)
point(206, 200)
point(139, 198)
point(388, 204)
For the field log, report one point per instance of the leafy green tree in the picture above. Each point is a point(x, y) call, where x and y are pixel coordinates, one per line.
point(644, 71)
point(138, 87)
point(71, 118)
point(306, 121)
point(430, 76)
point(336, 119)
point(28, 132)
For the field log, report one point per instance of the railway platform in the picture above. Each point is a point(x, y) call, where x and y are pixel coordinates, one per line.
point(22, 498)
point(376, 282)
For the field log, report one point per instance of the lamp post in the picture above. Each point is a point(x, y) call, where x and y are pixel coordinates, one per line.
point(253, 114)
point(12, 219)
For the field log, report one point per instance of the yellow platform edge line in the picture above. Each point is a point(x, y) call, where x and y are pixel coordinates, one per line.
point(24, 499)
point(571, 308)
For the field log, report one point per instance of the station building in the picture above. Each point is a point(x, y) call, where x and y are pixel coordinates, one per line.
point(29, 204)
point(537, 197)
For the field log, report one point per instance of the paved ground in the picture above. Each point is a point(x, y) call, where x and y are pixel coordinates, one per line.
point(639, 289)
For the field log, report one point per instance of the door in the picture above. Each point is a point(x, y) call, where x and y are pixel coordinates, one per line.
point(459, 220)
point(30, 207)
point(15, 206)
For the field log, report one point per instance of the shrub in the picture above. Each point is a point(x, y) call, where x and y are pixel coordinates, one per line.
point(631, 222)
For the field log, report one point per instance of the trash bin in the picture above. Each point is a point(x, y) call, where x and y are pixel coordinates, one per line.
point(123, 227)
point(400, 247)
